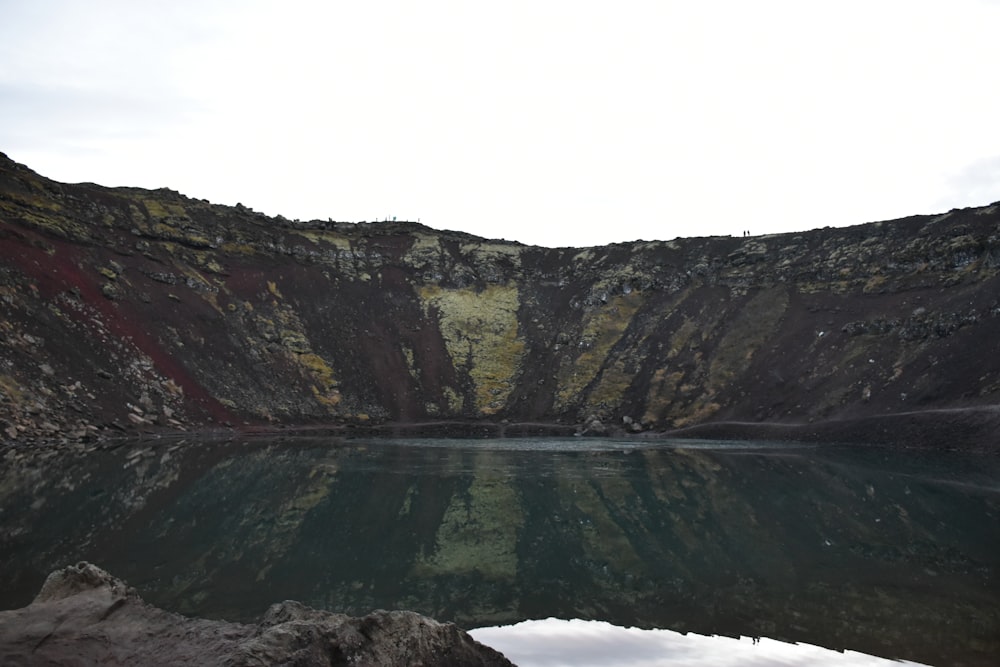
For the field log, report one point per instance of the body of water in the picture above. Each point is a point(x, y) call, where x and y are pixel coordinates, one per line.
point(892, 553)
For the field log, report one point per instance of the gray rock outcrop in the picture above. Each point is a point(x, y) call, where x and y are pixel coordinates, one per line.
point(84, 616)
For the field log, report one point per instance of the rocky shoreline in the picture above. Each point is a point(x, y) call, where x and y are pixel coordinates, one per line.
point(966, 429)
point(84, 615)
point(969, 429)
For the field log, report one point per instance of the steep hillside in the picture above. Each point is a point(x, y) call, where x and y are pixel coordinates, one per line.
point(127, 309)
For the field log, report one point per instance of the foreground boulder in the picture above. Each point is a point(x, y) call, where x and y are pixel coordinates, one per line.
point(83, 615)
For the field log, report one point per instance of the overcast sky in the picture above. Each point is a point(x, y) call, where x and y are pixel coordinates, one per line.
point(551, 123)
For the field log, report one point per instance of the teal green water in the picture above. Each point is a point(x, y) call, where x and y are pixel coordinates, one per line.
point(894, 553)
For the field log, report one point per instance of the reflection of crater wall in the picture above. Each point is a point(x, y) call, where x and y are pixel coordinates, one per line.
point(799, 544)
point(127, 307)
point(479, 529)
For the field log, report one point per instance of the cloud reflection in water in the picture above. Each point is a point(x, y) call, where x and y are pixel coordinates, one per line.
point(576, 643)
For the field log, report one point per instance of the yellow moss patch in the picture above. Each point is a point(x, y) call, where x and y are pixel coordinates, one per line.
point(155, 209)
point(455, 402)
point(424, 243)
point(206, 260)
point(294, 341)
point(163, 230)
point(410, 366)
point(213, 300)
point(611, 387)
point(702, 411)
point(284, 326)
point(662, 390)
point(873, 284)
point(424, 253)
point(43, 214)
point(492, 253)
point(682, 337)
point(208, 293)
point(325, 387)
point(328, 398)
point(38, 198)
point(602, 328)
point(158, 209)
point(480, 332)
point(173, 388)
point(323, 236)
point(10, 387)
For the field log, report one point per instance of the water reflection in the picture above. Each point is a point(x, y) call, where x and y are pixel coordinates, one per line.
point(889, 553)
point(575, 643)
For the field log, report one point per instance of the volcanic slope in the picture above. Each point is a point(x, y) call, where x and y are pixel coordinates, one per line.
point(126, 308)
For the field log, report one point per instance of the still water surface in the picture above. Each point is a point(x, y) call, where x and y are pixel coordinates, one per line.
point(893, 553)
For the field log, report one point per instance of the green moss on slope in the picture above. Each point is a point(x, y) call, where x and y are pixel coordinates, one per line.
point(480, 332)
point(602, 328)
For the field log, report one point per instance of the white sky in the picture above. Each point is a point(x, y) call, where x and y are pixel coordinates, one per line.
point(547, 122)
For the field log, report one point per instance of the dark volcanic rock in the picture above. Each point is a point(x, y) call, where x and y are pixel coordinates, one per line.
point(83, 615)
point(130, 309)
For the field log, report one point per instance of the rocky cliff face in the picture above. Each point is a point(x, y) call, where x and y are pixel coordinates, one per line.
point(126, 308)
